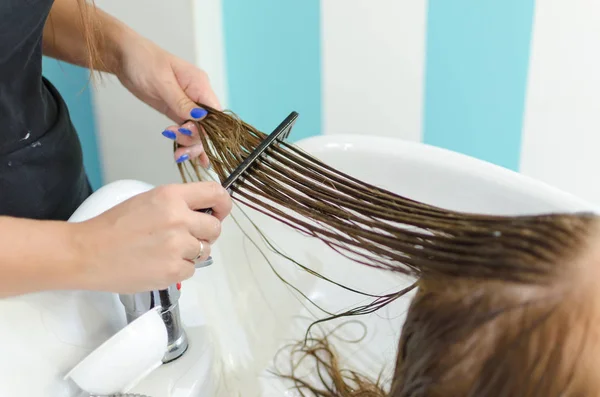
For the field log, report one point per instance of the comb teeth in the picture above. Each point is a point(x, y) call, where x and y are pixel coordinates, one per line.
point(278, 135)
point(286, 133)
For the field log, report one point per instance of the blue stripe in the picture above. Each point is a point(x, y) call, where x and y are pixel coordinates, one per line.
point(476, 74)
point(273, 56)
point(70, 82)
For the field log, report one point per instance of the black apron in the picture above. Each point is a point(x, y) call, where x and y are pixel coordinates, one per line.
point(41, 166)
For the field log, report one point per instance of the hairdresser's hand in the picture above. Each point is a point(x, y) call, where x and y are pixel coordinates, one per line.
point(151, 240)
point(170, 85)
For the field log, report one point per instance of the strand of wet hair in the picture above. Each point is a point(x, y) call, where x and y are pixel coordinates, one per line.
point(343, 382)
point(333, 380)
point(378, 228)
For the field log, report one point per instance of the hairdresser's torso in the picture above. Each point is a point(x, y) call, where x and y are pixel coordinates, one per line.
point(41, 169)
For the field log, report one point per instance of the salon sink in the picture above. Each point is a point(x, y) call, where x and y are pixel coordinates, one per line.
point(44, 335)
point(272, 315)
point(237, 312)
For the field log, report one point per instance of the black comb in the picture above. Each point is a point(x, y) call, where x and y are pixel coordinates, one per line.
point(280, 133)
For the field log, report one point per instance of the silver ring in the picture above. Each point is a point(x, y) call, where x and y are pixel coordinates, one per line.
point(201, 251)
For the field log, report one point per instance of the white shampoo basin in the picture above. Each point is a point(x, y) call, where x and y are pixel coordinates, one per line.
point(45, 335)
point(267, 310)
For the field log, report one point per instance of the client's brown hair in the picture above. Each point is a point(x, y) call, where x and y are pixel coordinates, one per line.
point(503, 306)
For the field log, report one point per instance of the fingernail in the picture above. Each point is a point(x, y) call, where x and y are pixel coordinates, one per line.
point(198, 113)
point(183, 158)
point(169, 134)
point(185, 131)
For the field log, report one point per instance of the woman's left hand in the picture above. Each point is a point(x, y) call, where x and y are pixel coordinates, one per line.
point(171, 86)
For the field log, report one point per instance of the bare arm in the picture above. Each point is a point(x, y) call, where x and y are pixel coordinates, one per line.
point(165, 82)
point(149, 241)
point(36, 256)
point(64, 35)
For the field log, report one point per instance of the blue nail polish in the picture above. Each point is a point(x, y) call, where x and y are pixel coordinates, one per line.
point(169, 134)
point(198, 113)
point(183, 158)
point(185, 131)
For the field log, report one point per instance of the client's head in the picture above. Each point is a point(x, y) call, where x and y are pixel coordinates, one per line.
point(510, 325)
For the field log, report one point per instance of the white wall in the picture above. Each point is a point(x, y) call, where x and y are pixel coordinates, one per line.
point(373, 66)
point(373, 63)
point(561, 134)
point(210, 44)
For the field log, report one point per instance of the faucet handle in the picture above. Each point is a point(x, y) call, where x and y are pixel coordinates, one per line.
point(209, 261)
point(140, 302)
point(168, 299)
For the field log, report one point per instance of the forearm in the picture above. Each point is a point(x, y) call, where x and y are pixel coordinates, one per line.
point(64, 36)
point(37, 256)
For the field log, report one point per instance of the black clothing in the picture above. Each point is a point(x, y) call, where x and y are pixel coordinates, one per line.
point(41, 167)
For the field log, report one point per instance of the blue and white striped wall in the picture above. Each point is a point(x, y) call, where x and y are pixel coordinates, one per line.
point(513, 82)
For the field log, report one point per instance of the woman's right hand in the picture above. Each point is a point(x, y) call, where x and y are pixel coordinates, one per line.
point(150, 241)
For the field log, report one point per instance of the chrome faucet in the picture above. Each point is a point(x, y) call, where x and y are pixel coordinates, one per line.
point(168, 300)
point(137, 304)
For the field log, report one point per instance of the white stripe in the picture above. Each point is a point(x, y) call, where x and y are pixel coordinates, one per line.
point(373, 59)
point(561, 135)
point(210, 44)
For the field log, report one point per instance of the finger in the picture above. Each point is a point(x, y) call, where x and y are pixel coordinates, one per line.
point(202, 129)
point(202, 161)
point(196, 250)
point(200, 90)
point(188, 248)
point(202, 195)
point(206, 250)
point(190, 152)
point(203, 94)
point(180, 104)
point(186, 135)
point(204, 227)
point(203, 158)
point(186, 271)
point(188, 130)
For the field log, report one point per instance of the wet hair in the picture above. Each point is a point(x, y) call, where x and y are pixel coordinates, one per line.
point(502, 304)
point(92, 34)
